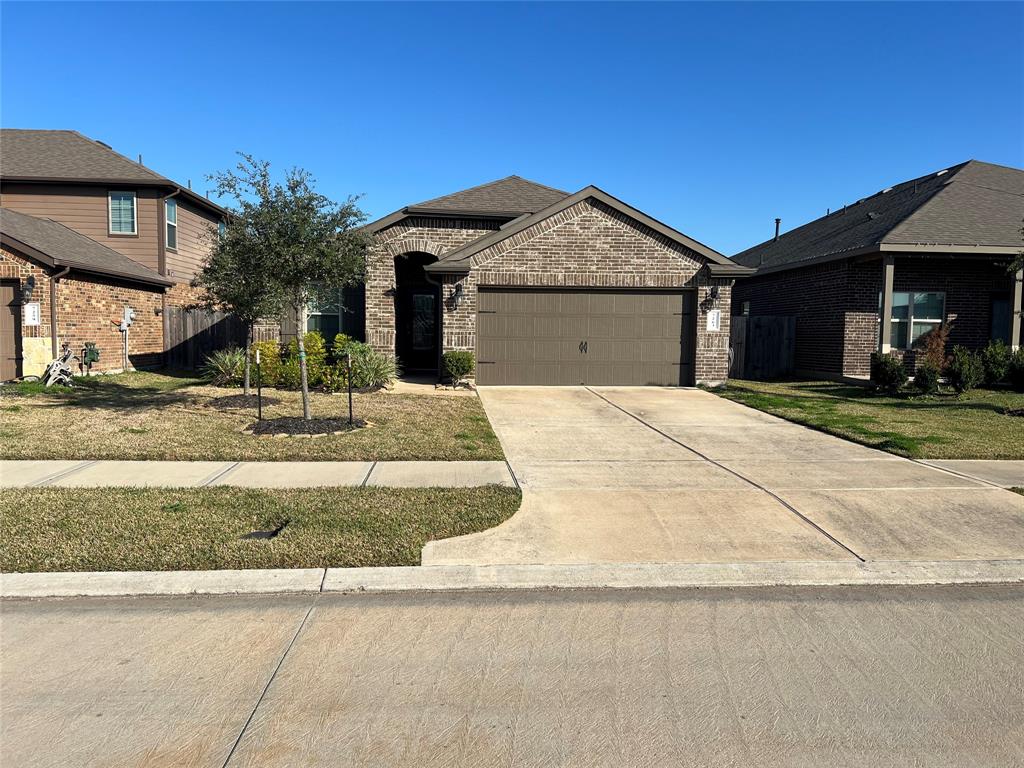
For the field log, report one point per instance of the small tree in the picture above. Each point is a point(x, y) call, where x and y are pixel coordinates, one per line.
point(238, 278)
point(312, 243)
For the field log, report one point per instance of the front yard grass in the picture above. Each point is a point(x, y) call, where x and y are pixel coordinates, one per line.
point(119, 529)
point(174, 417)
point(944, 426)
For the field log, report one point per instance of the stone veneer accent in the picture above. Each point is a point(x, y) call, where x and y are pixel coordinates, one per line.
point(586, 245)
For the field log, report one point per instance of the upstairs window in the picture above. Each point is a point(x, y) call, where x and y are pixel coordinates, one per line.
point(171, 211)
point(222, 228)
point(914, 315)
point(122, 213)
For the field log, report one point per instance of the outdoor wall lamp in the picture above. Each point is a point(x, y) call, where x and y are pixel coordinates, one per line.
point(458, 295)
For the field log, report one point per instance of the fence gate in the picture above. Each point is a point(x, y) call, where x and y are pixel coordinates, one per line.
point(762, 347)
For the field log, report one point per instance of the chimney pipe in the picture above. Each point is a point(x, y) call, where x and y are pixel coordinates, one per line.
point(777, 222)
point(190, 183)
point(140, 159)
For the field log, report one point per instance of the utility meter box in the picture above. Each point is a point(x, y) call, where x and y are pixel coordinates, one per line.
point(90, 353)
point(127, 319)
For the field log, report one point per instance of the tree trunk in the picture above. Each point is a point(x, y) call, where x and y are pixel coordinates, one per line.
point(248, 353)
point(300, 333)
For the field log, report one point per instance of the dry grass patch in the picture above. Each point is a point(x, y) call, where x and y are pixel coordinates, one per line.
point(123, 529)
point(162, 416)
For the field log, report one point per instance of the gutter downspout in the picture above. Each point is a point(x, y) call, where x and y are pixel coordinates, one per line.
point(53, 309)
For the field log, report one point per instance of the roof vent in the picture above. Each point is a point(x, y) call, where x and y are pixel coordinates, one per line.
point(777, 223)
point(942, 172)
point(887, 189)
point(872, 215)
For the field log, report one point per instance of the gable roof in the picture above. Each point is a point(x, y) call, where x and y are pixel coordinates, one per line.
point(56, 245)
point(459, 260)
point(68, 156)
point(973, 206)
point(506, 198)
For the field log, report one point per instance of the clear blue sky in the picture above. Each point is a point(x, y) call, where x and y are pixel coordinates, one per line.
point(712, 117)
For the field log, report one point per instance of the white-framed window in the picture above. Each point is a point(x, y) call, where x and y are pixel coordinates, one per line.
point(914, 313)
point(122, 209)
point(171, 215)
point(324, 315)
point(222, 228)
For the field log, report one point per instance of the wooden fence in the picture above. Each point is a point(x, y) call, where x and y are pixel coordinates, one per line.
point(192, 334)
point(763, 347)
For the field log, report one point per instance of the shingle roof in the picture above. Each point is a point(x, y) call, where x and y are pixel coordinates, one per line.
point(64, 247)
point(511, 195)
point(38, 155)
point(969, 205)
point(65, 155)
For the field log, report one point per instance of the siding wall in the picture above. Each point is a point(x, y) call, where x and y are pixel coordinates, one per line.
point(84, 209)
point(185, 262)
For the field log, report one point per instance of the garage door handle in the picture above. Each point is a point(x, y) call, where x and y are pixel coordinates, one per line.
point(583, 347)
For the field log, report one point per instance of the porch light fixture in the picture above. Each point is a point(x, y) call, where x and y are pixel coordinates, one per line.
point(458, 295)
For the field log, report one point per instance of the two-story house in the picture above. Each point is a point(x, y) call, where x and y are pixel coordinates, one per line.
point(85, 233)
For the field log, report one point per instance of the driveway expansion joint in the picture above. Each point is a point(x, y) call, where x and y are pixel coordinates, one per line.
point(742, 477)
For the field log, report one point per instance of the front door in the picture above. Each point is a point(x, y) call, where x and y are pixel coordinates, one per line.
point(418, 329)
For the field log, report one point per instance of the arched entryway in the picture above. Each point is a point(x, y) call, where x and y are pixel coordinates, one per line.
point(417, 314)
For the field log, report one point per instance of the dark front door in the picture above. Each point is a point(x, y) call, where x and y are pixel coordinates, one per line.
point(417, 316)
point(10, 331)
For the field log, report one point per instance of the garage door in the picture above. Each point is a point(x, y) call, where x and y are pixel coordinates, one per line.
point(558, 337)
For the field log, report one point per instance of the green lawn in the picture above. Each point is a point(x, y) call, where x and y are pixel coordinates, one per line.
point(118, 529)
point(945, 426)
point(174, 417)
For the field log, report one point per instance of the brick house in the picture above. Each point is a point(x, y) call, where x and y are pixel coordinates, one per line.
point(928, 251)
point(547, 288)
point(85, 232)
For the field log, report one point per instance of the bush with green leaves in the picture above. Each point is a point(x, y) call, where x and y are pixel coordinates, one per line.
point(270, 362)
point(887, 372)
point(370, 369)
point(995, 359)
point(1015, 370)
point(458, 364)
point(335, 377)
point(225, 367)
point(316, 362)
point(926, 377)
point(964, 369)
point(340, 345)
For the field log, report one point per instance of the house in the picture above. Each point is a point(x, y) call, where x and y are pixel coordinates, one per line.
point(547, 288)
point(85, 233)
point(928, 251)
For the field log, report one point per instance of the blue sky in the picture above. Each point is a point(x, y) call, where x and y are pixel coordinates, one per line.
point(713, 117)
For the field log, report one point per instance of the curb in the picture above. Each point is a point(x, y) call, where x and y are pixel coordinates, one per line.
point(447, 578)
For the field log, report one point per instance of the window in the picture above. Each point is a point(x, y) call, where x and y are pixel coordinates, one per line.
point(171, 211)
point(122, 213)
point(913, 315)
point(325, 316)
point(222, 228)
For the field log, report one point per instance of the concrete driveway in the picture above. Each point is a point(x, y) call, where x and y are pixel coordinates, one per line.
point(633, 475)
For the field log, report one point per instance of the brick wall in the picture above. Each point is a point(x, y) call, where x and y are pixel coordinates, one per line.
point(86, 305)
point(587, 245)
point(836, 305)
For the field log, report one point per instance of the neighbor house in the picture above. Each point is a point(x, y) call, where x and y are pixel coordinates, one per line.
point(929, 251)
point(84, 233)
point(546, 287)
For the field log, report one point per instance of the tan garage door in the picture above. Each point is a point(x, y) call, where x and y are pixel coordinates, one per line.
point(559, 337)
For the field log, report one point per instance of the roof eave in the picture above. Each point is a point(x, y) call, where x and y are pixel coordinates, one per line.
point(105, 182)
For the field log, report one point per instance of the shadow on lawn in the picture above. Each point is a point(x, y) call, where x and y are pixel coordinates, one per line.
point(111, 392)
point(827, 394)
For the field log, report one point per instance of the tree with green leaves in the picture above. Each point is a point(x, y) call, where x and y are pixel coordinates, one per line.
point(313, 245)
point(237, 277)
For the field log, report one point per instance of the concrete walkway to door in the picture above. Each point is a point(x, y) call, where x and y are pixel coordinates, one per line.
point(639, 475)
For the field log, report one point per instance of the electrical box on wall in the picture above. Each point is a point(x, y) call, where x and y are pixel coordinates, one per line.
point(32, 313)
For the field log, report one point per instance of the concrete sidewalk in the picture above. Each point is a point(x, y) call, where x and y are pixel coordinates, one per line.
point(253, 474)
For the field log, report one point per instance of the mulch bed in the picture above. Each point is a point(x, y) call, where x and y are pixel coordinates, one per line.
point(294, 426)
point(1014, 411)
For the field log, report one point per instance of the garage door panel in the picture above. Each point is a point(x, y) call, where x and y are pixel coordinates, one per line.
point(534, 336)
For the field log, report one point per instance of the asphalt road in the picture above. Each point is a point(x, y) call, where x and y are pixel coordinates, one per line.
point(765, 677)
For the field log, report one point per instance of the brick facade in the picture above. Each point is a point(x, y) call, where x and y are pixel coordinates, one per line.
point(86, 307)
point(836, 305)
point(587, 245)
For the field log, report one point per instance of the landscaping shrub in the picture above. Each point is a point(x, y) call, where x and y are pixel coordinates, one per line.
point(1016, 370)
point(316, 362)
point(340, 345)
point(458, 364)
point(995, 359)
point(335, 377)
point(371, 369)
point(964, 370)
point(887, 372)
point(926, 377)
point(270, 362)
point(225, 367)
point(931, 347)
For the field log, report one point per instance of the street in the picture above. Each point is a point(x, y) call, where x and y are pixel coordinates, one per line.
point(930, 676)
